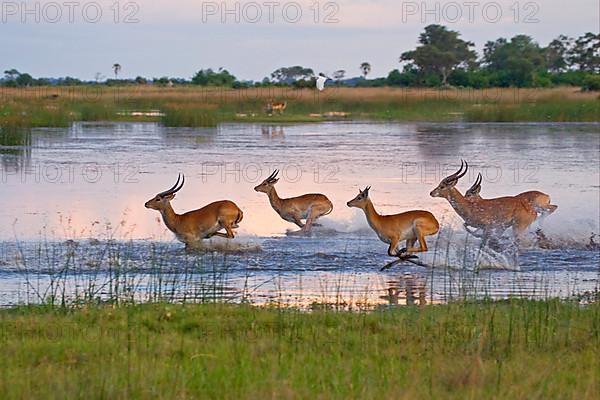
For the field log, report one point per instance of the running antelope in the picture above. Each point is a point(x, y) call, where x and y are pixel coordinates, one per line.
point(193, 226)
point(491, 216)
point(279, 106)
point(392, 229)
point(308, 206)
point(540, 201)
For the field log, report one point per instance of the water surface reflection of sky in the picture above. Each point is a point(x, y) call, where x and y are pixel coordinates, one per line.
point(70, 182)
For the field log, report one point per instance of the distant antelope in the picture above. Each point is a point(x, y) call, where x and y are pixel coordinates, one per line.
point(272, 131)
point(492, 216)
point(276, 106)
point(540, 201)
point(392, 229)
point(193, 226)
point(308, 206)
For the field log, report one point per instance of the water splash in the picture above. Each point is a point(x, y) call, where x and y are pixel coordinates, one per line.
point(227, 246)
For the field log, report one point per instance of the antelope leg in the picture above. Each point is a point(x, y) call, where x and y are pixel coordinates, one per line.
point(411, 259)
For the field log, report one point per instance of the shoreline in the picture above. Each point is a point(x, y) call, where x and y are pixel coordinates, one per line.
point(208, 107)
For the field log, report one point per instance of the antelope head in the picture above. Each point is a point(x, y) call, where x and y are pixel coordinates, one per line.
point(443, 189)
point(161, 200)
point(360, 201)
point(474, 190)
point(267, 185)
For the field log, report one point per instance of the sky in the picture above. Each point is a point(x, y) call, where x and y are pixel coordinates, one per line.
point(175, 38)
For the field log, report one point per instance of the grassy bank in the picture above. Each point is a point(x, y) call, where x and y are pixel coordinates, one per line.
point(198, 106)
point(514, 349)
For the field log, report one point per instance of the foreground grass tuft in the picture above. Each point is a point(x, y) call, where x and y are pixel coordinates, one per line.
point(512, 349)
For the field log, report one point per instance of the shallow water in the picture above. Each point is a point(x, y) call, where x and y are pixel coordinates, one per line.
point(90, 181)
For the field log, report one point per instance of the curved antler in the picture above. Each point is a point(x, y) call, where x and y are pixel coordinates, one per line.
point(465, 171)
point(272, 176)
point(460, 173)
point(476, 188)
point(176, 188)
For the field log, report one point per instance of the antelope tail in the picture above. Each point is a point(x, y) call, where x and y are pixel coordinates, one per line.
point(239, 218)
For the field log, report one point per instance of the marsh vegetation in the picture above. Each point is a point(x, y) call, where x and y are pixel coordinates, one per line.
point(512, 349)
point(208, 106)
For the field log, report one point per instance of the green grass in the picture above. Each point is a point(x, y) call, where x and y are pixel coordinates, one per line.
point(558, 111)
point(512, 349)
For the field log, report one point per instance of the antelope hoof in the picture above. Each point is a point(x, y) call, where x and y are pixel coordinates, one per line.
point(402, 252)
point(403, 255)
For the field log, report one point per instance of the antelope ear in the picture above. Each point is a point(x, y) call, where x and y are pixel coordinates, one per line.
point(451, 182)
point(169, 196)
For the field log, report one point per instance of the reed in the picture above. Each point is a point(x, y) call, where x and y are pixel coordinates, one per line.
point(198, 106)
point(96, 313)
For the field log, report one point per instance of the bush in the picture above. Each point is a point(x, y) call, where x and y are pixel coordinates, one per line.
point(473, 79)
point(542, 80)
point(377, 82)
point(433, 80)
point(304, 83)
point(573, 78)
point(591, 83)
point(209, 77)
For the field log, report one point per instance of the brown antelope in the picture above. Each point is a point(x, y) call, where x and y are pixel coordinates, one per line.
point(308, 206)
point(492, 216)
point(193, 226)
point(276, 106)
point(538, 200)
point(392, 229)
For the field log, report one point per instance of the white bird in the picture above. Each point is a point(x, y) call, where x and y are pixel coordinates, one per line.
point(321, 79)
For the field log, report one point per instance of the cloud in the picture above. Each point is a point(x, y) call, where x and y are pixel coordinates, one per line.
point(178, 37)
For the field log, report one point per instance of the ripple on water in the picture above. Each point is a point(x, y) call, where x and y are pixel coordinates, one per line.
point(263, 262)
point(302, 272)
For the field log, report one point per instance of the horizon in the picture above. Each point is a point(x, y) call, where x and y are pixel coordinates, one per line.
point(162, 41)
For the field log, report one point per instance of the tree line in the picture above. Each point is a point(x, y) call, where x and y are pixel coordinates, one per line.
point(441, 59)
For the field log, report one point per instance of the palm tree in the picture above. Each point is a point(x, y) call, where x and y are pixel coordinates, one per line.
point(116, 68)
point(365, 68)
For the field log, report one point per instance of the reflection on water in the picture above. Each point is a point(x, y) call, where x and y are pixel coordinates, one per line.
point(273, 132)
point(15, 148)
point(282, 274)
point(91, 181)
point(101, 171)
point(410, 287)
